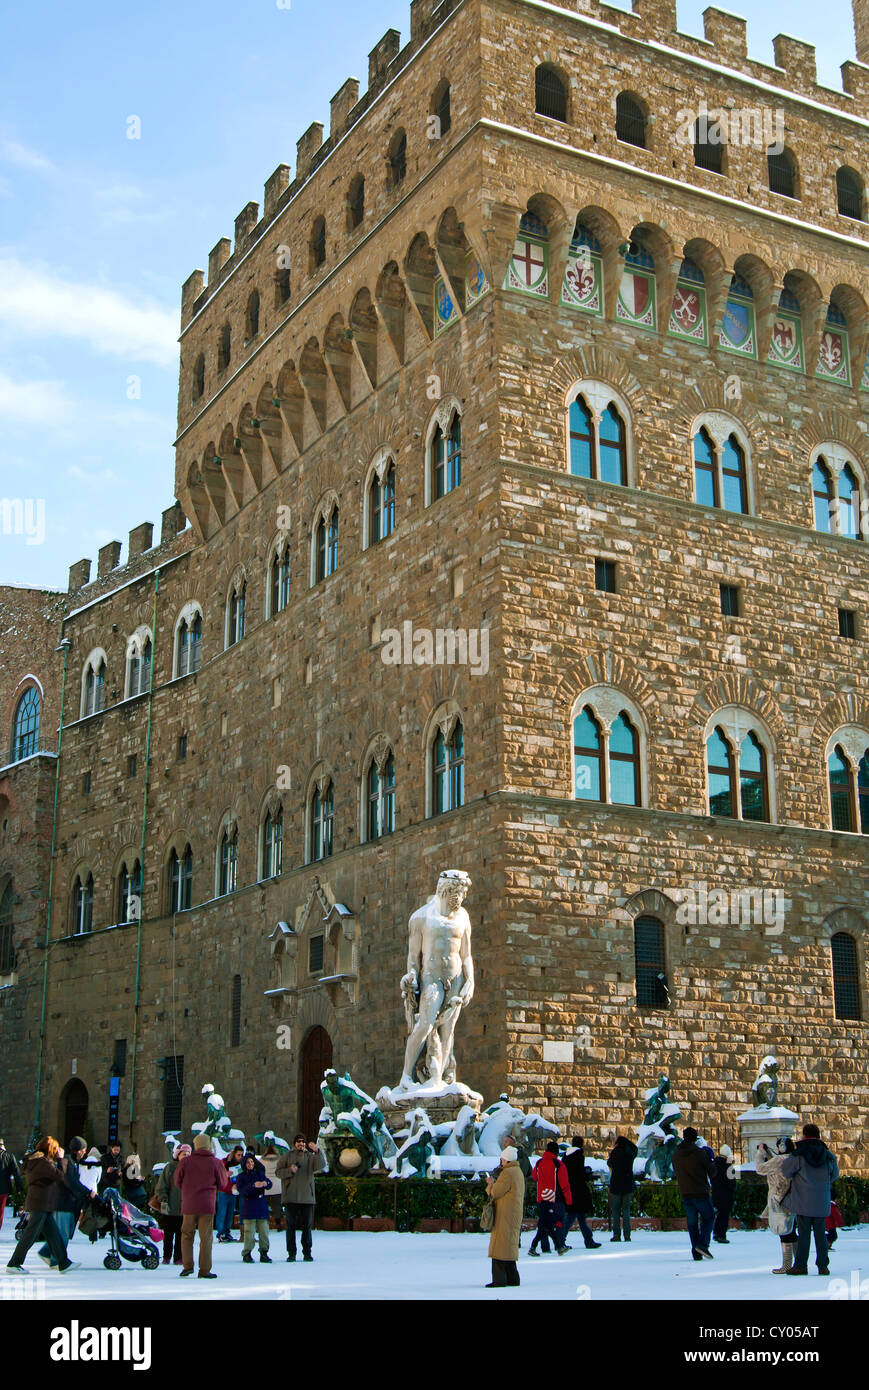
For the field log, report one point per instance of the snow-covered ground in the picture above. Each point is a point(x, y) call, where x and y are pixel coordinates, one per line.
point(386, 1265)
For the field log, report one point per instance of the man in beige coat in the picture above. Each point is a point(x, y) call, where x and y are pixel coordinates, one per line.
point(507, 1191)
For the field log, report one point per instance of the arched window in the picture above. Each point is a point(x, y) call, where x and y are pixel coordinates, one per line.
point(224, 348)
point(228, 869)
point(235, 612)
point(129, 893)
point(199, 377)
point(708, 145)
point(846, 975)
point(651, 964)
point(252, 317)
point(448, 770)
point(180, 880)
point(849, 504)
point(93, 684)
point(326, 548)
point(380, 799)
point(7, 930)
point(283, 287)
point(381, 504)
point(139, 653)
point(318, 242)
point(837, 495)
point(188, 643)
point(782, 171)
point(25, 725)
point(737, 776)
point(446, 457)
point(848, 773)
point(356, 203)
point(83, 905)
point(606, 758)
point(440, 108)
point(597, 435)
point(720, 475)
point(822, 490)
point(849, 194)
point(630, 121)
point(279, 578)
point(273, 844)
point(397, 161)
point(550, 94)
point(322, 821)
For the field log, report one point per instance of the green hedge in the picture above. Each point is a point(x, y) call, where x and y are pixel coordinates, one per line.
point(405, 1200)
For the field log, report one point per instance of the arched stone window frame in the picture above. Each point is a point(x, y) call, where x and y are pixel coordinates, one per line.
point(27, 683)
point(598, 396)
point(608, 702)
point(236, 591)
point(720, 425)
point(228, 828)
point(279, 550)
point(651, 902)
point(849, 920)
point(327, 505)
point(8, 903)
point(736, 721)
point(545, 68)
point(82, 874)
point(378, 468)
point(95, 660)
point(188, 614)
point(135, 647)
point(179, 843)
point(837, 456)
point(441, 417)
point(378, 750)
point(129, 856)
point(853, 740)
point(443, 719)
point(319, 780)
point(272, 805)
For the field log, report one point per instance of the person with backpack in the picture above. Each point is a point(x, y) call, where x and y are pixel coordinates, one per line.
point(621, 1166)
point(553, 1199)
point(812, 1168)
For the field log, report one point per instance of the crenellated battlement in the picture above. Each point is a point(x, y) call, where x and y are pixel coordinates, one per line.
point(142, 555)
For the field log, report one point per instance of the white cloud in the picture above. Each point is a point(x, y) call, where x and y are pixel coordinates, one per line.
point(37, 302)
point(14, 152)
point(33, 402)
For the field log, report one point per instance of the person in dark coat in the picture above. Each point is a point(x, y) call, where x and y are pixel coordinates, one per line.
point(621, 1166)
point(170, 1206)
point(226, 1200)
point(581, 1204)
point(812, 1168)
point(694, 1167)
point(200, 1177)
point(112, 1174)
point(297, 1171)
point(553, 1198)
point(251, 1184)
point(723, 1193)
point(72, 1198)
point(44, 1177)
point(134, 1182)
point(10, 1174)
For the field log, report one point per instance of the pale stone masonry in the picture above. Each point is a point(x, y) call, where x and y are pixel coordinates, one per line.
point(347, 359)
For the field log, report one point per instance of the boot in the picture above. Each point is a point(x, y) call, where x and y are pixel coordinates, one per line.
point(247, 1257)
point(787, 1259)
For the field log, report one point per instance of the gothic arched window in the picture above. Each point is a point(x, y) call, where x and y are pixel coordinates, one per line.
point(25, 725)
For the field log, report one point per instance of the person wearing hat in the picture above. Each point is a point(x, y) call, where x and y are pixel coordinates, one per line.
point(72, 1197)
point(10, 1174)
point(723, 1193)
point(694, 1167)
point(553, 1199)
point(507, 1192)
point(170, 1206)
point(199, 1176)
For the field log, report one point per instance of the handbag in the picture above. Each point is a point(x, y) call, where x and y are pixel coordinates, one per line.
point(487, 1216)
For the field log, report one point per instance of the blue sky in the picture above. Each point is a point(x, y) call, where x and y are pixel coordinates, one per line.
point(98, 231)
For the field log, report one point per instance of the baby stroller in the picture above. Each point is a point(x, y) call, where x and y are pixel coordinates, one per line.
point(131, 1232)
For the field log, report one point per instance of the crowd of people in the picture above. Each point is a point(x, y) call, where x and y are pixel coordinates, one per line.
point(196, 1194)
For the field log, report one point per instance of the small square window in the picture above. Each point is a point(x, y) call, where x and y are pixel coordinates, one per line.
point(132, 765)
point(847, 623)
point(86, 783)
point(729, 600)
point(315, 955)
point(182, 747)
point(605, 576)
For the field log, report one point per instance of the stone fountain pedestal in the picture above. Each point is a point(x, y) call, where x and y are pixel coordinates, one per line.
point(765, 1124)
point(442, 1104)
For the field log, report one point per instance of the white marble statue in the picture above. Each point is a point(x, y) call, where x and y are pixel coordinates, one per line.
point(438, 983)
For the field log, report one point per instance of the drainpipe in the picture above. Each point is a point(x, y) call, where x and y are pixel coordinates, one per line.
point(142, 856)
point(64, 646)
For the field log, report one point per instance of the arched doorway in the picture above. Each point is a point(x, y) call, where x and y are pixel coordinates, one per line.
point(73, 1110)
point(316, 1057)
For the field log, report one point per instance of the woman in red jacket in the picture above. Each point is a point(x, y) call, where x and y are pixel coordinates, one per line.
point(553, 1192)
